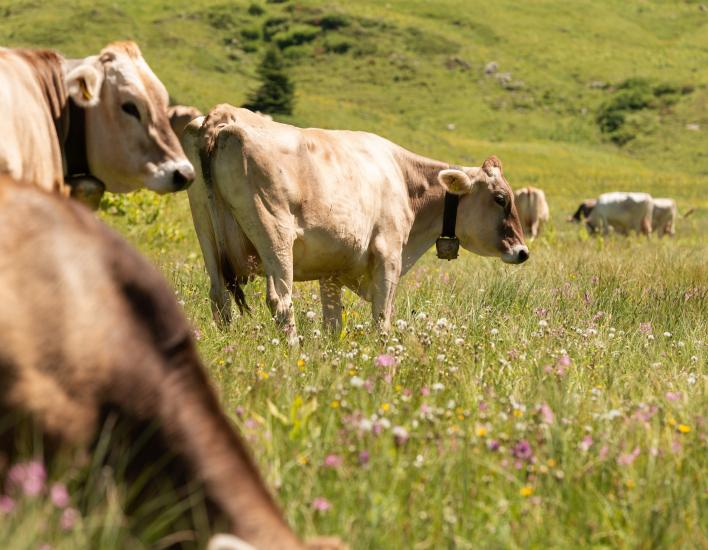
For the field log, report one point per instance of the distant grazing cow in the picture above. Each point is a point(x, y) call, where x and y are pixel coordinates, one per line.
point(104, 116)
point(533, 210)
point(623, 211)
point(664, 217)
point(583, 210)
point(180, 116)
point(345, 208)
point(89, 328)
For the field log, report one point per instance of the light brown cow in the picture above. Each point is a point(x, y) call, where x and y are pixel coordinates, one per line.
point(533, 210)
point(345, 208)
point(105, 115)
point(180, 116)
point(88, 326)
point(663, 219)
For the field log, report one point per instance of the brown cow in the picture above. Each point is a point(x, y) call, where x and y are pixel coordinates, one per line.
point(104, 116)
point(180, 116)
point(86, 326)
point(533, 210)
point(345, 208)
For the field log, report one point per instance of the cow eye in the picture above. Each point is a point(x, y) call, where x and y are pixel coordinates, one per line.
point(500, 200)
point(130, 108)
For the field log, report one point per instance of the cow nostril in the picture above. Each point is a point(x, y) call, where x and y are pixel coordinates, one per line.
point(523, 255)
point(181, 180)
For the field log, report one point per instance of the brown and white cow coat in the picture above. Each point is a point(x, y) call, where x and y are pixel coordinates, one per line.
point(86, 326)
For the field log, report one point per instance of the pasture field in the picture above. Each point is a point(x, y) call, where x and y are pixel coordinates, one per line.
point(557, 404)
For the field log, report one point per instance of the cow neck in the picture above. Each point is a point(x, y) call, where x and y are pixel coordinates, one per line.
point(75, 144)
point(427, 196)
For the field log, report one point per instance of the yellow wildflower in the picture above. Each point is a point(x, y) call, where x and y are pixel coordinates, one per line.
point(684, 429)
point(526, 491)
point(300, 362)
point(334, 404)
point(481, 431)
point(518, 413)
point(385, 407)
point(551, 463)
point(630, 484)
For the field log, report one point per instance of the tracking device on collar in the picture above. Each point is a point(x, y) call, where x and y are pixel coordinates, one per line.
point(447, 245)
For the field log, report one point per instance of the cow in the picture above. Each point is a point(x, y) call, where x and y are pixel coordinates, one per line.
point(180, 116)
point(533, 210)
point(101, 120)
point(583, 211)
point(623, 212)
point(664, 217)
point(345, 208)
point(89, 330)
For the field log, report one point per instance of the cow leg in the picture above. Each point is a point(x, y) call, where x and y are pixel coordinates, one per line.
point(279, 285)
point(387, 272)
point(534, 230)
point(331, 296)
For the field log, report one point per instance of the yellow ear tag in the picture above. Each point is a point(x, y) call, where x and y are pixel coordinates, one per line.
point(84, 90)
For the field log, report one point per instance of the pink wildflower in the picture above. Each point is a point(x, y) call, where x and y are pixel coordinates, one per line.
point(493, 445)
point(385, 360)
point(522, 450)
point(400, 435)
point(586, 443)
point(321, 504)
point(68, 518)
point(604, 451)
point(628, 458)
point(645, 328)
point(425, 391)
point(546, 412)
point(27, 477)
point(333, 461)
point(364, 458)
point(59, 495)
point(673, 396)
point(6, 504)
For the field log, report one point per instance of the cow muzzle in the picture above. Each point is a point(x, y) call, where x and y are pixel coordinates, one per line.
point(171, 176)
point(517, 255)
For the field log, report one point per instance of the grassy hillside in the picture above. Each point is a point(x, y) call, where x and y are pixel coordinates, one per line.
point(552, 405)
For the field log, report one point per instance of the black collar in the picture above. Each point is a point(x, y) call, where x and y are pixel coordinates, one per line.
point(448, 245)
point(75, 143)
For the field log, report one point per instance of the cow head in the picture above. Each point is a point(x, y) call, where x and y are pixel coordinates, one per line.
point(129, 141)
point(487, 221)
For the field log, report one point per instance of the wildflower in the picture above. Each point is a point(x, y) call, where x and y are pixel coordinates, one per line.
point(494, 332)
point(586, 443)
point(6, 504)
point(683, 428)
point(334, 404)
point(526, 491)
point(28, 477)
point(356, 381)
point(604, 450)
point(300, 362)
point(546, 413)
point(421, 316)
point(68, 518)
point(543, 323)
point(385, 407)
point(275, 342)
point(459, 341)
point(401, 324)
point(385, 360)
point(310, 314)
point(522, 450)
point(316, 333)
point(321, 504)
point(400, 435)
point(481, 431)
point(442, 323)
point(630, 484)
point(564, 360)
point(333, 461)
point(440, 358)
point(364, 458)
point(645, 328)
point(667, 334)
point(197, 334)
point(438, 386)
point(59, 495)
point(418, 461)
point(260, 349)
point(628, 458)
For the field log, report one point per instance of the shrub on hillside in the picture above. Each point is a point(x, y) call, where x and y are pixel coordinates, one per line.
point(631, 98)
point(337, 44)
point(295, 36)
point(256, 9)
point(276, 93)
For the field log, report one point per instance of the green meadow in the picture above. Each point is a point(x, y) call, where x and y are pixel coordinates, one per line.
point(557, 404)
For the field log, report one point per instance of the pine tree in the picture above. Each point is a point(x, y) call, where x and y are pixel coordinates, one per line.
point(276, 93)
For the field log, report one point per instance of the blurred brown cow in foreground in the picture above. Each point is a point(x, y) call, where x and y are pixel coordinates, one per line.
point(89, 331)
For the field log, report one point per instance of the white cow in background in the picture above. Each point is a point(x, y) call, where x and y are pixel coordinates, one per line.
point(624, 212)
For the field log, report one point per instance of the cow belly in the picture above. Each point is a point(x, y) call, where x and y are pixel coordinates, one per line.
point(318, 254)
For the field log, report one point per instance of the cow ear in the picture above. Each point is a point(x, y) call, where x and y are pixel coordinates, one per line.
point(84, 84)
point(455, 181)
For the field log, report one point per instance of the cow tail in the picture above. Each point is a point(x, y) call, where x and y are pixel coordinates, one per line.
point(233, 284)
point(578, 214)
point(688, 213)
